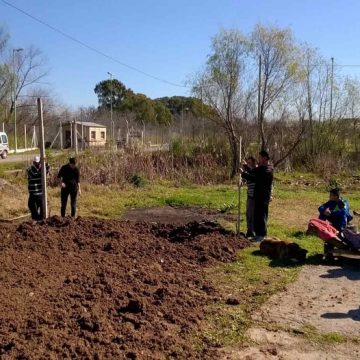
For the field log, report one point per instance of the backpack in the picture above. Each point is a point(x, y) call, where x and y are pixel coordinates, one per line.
point(322, 228)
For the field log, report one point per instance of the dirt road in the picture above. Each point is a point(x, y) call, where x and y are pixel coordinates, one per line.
point(17, 158)
point(316, 317)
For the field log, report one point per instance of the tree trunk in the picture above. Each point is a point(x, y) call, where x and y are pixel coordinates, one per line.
point(234, 155)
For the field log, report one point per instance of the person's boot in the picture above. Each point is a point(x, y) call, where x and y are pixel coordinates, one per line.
point(250, 235)
point(258, 238)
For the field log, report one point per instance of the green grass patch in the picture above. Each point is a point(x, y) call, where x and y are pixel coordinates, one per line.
point(314, 336)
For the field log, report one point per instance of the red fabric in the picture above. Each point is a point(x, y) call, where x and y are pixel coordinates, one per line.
point(324, 229)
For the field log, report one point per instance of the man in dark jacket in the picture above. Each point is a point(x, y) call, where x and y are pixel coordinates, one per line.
point(262, 176)
point(249, 166)
point(35, 189)
point(69, 177)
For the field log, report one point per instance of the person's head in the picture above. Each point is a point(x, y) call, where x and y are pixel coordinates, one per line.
point(334, 194)
point(263, 157)
point(36, 161)
point(251, 162)
point(72, 162)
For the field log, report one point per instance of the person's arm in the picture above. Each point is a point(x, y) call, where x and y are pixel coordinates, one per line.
point(249, 175)
point(60, 178)
point(339, 217)
point(324, 208)
point(47, 166)
point(78, 181)
point(33, 172)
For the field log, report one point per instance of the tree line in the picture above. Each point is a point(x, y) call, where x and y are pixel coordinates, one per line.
point(266, 86)
point(296, 98)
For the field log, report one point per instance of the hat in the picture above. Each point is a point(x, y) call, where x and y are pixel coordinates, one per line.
point(37, 159)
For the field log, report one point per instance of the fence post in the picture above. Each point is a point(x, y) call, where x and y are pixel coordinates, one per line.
point(42, 159)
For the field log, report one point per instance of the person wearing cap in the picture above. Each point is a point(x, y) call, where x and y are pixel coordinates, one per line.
point(262, 176)
point(69, 179)
point(35, 189)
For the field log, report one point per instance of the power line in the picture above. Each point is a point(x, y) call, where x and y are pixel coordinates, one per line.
point(99, 52)
point(89, 47)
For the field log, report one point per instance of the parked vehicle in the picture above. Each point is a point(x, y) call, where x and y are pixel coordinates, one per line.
point(4, 145)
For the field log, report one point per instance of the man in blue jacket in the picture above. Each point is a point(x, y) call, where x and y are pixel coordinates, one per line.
point(336, 210)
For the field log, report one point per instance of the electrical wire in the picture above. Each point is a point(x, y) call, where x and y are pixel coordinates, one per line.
point(91, 48)
point(133, 68)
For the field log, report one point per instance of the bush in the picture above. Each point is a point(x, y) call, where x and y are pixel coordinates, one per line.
point(138, 181)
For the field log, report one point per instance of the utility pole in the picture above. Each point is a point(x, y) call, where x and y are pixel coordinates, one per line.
point(14, 89)
point(331, 88)
point(42, 158)
point(111, 109)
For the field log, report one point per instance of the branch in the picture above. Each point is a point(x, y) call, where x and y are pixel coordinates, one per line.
point(292, 148)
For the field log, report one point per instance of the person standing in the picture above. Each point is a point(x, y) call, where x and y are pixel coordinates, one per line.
point(35, 189)
point(69, 177)
point(249, 166)
point(262, 176)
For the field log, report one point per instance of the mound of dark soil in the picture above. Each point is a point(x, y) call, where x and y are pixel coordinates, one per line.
point(96, 289)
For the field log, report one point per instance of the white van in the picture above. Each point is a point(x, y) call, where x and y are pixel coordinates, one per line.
point(4, 145)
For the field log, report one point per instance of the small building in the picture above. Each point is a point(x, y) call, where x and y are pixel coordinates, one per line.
point(89, 134)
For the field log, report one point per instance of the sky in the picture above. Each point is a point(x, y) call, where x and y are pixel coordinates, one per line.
point(168, 39)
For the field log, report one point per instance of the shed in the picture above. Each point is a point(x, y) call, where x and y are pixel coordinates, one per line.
point(89, 134)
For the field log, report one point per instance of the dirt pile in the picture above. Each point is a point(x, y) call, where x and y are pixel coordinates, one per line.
point(94, 289)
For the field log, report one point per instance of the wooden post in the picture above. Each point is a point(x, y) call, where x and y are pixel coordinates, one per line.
point(61, 135)
point(239, 191)
point(82, 135)
point(71, 135)
point(25, 136)
point(259, 102)
point(42, 158)
point(75, 137)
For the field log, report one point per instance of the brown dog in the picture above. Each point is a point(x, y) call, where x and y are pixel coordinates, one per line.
point(279, 249)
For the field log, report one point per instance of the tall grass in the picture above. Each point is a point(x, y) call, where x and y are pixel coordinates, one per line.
point(196, 166)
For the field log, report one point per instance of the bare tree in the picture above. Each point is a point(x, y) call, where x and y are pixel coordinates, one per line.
point(29, 69)
point(220, 84)
point(279, 66)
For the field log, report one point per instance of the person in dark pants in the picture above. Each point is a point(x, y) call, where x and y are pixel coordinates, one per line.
point(69, 176)
point(35, 189)
point(262, 176)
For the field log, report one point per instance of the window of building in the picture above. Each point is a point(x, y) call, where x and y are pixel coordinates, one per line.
point(93, 135)
point(102, 135)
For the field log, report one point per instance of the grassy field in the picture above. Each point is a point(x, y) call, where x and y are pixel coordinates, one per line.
point(253, 278)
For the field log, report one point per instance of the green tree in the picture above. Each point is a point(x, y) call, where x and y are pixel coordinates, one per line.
point(162, 113)
point(141, 106)
point(113, 91)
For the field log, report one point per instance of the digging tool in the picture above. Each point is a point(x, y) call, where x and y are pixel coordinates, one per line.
point(239, 191)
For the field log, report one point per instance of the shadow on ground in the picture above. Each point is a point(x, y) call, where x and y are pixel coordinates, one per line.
point(348, 270)
point(351, 314)
point(349, 267)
